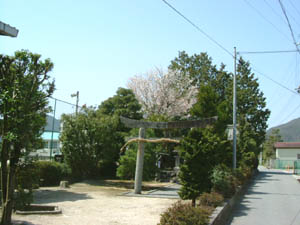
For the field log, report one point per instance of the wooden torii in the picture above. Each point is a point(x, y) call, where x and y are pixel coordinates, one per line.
point(156, 125)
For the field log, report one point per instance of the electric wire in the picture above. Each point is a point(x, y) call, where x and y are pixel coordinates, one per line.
point(274, 11)
point(276, 82)
point(287, 117)
point(228, 52)
point(262, 15)
point(289, 25)
point(268, 52)
point(294, 7)
point(198, 28)
point(59, 100)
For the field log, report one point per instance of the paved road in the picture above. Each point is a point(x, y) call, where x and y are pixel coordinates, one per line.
point(272, 199)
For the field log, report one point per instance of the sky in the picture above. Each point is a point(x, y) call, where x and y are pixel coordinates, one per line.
point(96, 46)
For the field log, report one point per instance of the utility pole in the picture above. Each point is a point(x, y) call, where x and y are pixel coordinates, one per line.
point(53, 120)
point(234, 111)
point(77, 100)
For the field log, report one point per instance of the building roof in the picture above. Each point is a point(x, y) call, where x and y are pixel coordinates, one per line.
point(287, 145)
point(7, 30)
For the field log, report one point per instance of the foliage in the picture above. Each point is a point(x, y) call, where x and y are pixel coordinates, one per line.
point(200, 151)
point(126, 170)
point(223, 181)
point(163, 93)
point(88, 143)
point(23, 198)
point(123, 103)
point(215, 99)
point(50, 173)
point(26, 180)
point(268, 146)
point(91, 140)
point(185, 214)
point(25, 88)
point(212, 199)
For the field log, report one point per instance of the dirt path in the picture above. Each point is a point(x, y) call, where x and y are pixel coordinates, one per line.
point(85, 204)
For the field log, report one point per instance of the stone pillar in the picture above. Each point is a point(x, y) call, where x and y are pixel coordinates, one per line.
point(139, 164)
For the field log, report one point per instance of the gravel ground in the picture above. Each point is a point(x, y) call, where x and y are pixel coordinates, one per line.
point(86, 204)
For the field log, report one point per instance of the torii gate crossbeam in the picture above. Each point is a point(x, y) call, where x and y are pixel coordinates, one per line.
point(157, 125)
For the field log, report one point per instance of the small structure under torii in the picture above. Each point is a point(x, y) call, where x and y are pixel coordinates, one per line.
point(156, 125)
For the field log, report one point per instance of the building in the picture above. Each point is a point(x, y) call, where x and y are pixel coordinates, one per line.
point(287, 150)
point(50, 137)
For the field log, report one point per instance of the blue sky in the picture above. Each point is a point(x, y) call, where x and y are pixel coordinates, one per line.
point(96, 46)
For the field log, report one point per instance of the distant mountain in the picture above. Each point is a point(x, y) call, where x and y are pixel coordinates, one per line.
point(290, 132)
point(56, 127)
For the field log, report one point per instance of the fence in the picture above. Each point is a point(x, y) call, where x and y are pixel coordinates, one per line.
point(51, 133)
point(293, 165)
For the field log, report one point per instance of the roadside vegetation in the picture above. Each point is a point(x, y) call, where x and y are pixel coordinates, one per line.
point(192, 88)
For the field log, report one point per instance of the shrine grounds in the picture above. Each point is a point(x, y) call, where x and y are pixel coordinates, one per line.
point(98, 203)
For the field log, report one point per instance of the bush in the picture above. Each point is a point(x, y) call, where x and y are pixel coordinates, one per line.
point(23, 198)
point(212, 199)
point(185, 214)
point(223, 180)
point(51, 173)
point(26, 179)
point(126, 170)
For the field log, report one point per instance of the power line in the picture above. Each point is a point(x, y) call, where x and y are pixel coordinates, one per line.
point(64, 101)
point(289, 25)
point(290, 114)
point(259, 13)
point(274, 81)
point(198, 28)
point(268, 52)
point(294, 7)
point(274, 11)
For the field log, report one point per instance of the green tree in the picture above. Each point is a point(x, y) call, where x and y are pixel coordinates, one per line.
point(123, 103)
point(25, 88)
point(251, 112)
point(268, 146)
point(127, 162)
point(215, 99)
point(91, 141)
point(88, 142)
point(200, 151)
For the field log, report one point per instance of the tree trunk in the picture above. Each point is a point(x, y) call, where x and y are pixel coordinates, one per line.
point(7, 206)
point(194, 202)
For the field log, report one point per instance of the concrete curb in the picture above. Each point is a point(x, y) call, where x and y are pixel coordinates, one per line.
point(222, 213)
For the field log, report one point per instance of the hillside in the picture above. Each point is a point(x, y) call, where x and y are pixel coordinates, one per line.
point(289, 132)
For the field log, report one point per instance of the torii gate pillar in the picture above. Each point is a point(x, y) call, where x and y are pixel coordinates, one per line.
point(156, 125)
point(139, 164)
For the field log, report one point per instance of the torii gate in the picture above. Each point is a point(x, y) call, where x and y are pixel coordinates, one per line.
point(156, 125)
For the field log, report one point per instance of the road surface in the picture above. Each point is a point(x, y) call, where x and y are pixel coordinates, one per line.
point(272, 199)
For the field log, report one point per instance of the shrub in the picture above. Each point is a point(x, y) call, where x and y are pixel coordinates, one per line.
point(23, 198)
point(126, 169)
point(223, 180)
point(26, 180)
point(185, 214)
point(212, 199)
point(51, 173)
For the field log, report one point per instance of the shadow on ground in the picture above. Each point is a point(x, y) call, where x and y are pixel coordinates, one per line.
point(244, 205)
point(21, 222)
point(52, 196)
point(124, 184)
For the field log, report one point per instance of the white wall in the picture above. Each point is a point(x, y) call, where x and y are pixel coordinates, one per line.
point(287, 153)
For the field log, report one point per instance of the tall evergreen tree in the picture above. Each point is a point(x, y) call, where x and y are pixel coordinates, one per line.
point(25, 88)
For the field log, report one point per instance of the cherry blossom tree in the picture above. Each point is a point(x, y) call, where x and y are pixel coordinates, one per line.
point(163, 93)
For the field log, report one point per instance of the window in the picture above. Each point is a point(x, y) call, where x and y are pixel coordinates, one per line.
point(46, 144)
point(298, 156)
point(54, 144)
